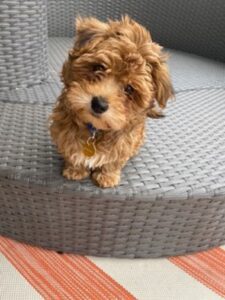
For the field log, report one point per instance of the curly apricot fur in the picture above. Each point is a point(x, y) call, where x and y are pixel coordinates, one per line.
point(105, 59)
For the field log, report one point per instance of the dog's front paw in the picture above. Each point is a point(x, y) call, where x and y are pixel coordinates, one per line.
point(106, 180)
point(77, 173)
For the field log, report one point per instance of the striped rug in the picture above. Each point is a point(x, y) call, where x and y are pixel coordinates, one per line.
point(29, 273)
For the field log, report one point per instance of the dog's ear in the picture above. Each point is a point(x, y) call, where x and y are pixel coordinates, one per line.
point(160, 75)
point(88, 29)
point(65, 73)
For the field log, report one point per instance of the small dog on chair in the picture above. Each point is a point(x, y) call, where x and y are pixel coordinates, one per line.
point(114, 78)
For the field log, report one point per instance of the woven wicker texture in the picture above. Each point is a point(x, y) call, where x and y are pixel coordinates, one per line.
point(110, 227)
point(23, 40)
point(183, 153)
point(188, 72)
point(171, 199)
point(186, 25)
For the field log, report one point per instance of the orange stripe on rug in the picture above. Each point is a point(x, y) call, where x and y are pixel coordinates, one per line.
point(208, 267)
point(64, 276)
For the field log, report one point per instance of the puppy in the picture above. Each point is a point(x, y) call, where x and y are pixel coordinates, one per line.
point(113, 78)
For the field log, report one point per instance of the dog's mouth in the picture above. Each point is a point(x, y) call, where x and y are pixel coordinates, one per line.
point(96, 115)
point(97, 121)
point(106, 121)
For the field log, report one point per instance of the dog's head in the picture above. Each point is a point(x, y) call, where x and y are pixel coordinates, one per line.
point(113, 73)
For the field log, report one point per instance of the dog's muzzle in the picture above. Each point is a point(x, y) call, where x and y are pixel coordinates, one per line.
point(99, 105)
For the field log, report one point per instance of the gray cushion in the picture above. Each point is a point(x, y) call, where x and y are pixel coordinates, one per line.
point(171, 197)
point(188, 72)
point(170, 200)
point(189, 25)
point(183, 153)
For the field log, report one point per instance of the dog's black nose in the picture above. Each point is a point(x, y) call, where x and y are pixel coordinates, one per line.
point(99, 105)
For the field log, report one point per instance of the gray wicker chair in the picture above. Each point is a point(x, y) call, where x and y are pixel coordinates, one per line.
point(172, 196)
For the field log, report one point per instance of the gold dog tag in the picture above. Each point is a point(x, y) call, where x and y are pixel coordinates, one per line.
point(89, 148)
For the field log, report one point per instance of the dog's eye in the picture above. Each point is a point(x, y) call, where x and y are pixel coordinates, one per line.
point(98, 67)
point(129, 89)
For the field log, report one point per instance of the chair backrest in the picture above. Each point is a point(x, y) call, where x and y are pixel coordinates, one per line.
point(196, 26)
point(23, 43)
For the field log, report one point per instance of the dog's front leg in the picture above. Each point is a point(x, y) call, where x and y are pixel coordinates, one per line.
point(75, 172)
point(108, 175)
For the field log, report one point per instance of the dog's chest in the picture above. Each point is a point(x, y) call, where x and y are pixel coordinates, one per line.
point(93, 153)
point(95, 161)
point(106, 150)
point(91, 162)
